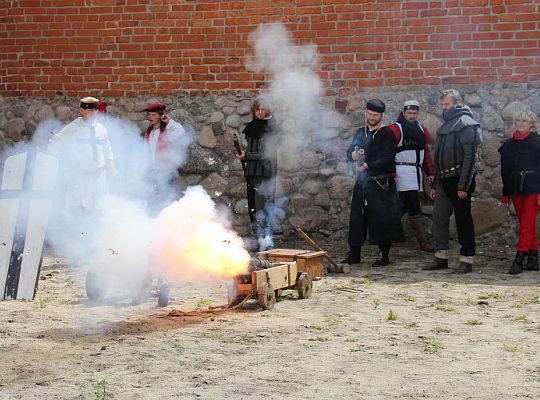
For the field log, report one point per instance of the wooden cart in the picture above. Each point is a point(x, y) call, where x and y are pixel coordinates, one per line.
point(265, 285)
point(307, 261)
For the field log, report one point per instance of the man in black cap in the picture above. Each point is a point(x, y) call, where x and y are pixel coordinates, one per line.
point(374, 207)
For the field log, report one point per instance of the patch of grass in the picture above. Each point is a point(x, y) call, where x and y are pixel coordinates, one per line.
point(203, 302)
point(512, 348)
point(534, 300)
point(44, 301)
point(319, 339)
point(474, 322)
point(431, 346)
point(520, 318)
point(366, 281)
point(441, 329)
point(491, 295)
point(376, 303)
point(350, 340)
point(359, 348)
point(101, 389)
point(392, 315)
point(392, 343)
point(445, 308)
point(411, 325)
point(351, 296)
point(317, 327)
point(467, 282)
point(66, 301)
point(409, 298)
point(4, 381)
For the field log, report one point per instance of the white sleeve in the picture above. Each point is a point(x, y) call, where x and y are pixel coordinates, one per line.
point(174, 130)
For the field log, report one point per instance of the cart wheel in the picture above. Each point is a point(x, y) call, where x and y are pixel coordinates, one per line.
point(141, 291)
point(267, 297)
point(94, 289)
point(233, 299)
point(279, 293)
point(304, 286)
point(163, 296)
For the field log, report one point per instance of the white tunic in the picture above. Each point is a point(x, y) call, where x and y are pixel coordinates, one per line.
point(174, 131)
point(85, 150)
point(408, 176)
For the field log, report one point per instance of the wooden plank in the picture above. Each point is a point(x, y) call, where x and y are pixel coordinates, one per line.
point(279, 277)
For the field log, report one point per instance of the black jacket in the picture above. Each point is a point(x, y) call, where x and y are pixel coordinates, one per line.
point(381, 153)
point(520, 165)
point(261, 151)
point(456, 145)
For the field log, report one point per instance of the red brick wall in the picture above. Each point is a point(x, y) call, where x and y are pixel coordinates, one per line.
point(127, 47)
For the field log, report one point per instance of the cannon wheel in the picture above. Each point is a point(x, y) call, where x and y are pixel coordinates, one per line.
point(233, 299)
point(163, 295)
point(304, 286)
point(141, 291)
point(267, 296)
point(94, 289)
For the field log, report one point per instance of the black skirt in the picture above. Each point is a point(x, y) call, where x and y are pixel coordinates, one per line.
point(384, 213)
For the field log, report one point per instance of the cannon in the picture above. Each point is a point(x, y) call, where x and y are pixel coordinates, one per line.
point(265, 281)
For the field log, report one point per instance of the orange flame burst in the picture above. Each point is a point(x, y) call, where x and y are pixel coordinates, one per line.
point(193, 242)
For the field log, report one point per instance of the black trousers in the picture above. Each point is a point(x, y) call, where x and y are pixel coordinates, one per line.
point(358, 219)
point(446, 203)
point(409, 202)
point(260, 197)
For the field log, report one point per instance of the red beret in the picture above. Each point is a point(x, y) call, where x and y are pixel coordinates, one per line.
point(102, 106)
point(157, 108)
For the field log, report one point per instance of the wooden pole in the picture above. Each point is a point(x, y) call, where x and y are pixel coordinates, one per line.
point(341, 268)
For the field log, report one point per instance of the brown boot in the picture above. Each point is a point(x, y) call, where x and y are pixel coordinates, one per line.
point(419, 231)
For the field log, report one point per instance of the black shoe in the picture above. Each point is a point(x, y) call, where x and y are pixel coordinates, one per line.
point(354, 256)
point(517, 265)
point(382, 261)
point(351, 259)
point(532, 261)
point(462, 268)
point(436, 263)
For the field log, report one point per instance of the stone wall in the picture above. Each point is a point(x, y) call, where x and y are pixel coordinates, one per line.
point(317, 189)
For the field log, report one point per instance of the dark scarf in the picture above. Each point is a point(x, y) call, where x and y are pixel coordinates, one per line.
point(257, 128)
point(409, 127)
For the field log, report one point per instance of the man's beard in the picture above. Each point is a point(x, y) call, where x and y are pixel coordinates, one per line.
point(374, 124)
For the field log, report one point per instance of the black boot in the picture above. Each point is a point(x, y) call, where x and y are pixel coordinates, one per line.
point(517, 265)
point(462, 268)
point(383, 257)
point(436, 263)
point(532, 261)
point(354, 255)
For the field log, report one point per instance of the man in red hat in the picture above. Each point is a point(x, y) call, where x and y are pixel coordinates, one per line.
point(161, 133)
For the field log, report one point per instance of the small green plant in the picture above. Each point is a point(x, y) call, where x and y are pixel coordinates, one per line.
point(44, 301)
point(203, 302)
point(392, 315)
point(467, 282)
point(445, 308)
point(350, 340)
point(512, 348)
point(376, 303)
point(411, 325)
point(315, 326)
point(101, 389)
point(534, 300)
point(441, 329)
point(319, 339)
point(520, 318)
point(409, 298)
point(358, 348)
point(491, 295)
point(351, 296)
point(431, 346)
point(474, 322)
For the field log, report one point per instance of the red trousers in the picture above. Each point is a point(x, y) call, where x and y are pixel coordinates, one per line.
point(526, 206)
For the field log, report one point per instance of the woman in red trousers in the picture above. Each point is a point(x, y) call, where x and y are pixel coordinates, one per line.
point(520, 171)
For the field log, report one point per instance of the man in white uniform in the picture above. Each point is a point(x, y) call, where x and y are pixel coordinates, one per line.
point(85, 149)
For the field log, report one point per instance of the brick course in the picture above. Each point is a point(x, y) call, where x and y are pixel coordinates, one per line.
point(131, 47)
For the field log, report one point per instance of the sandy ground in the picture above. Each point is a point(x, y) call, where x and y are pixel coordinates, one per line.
point(453, 337)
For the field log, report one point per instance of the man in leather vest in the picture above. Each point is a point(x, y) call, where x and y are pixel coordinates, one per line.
point(455, 160)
